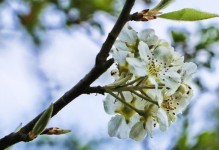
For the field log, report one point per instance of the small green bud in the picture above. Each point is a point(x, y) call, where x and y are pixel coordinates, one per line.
point(55, 131)
point(41, 123)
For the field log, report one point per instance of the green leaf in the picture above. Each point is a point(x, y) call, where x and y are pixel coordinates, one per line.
point(188, 14)
point(42, 122)
point(163, 4)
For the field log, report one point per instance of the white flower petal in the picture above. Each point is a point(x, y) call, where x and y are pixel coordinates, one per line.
point(178, 60)
point(162, 119)
point(140, 103)
point(172, 81)
point(172, 117)
point(134, 62)
point(188, 69)
point(117, 127)
point(134, 119)
point(164, 53)
point(128, 96)
point(128, 35)
point(144, 51)
point(138, 132)
point(156, 96)
point(182, 98)
point(148, 36)
point(120, 56)
point(136, 66)
point(150, 125)
point(110, 104)
point(183, 103)
point(121, 46)
point(155, 93)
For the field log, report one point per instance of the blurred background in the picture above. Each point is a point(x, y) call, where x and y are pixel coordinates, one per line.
point(47, 46)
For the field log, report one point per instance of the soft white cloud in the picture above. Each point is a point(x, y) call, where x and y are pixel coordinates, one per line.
point(20, 90)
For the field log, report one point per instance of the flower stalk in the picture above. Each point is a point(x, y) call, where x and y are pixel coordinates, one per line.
point(122, 100)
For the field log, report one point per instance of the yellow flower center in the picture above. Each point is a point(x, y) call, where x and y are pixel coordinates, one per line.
point(126, 111)
point(153, 69)
point(168, 103)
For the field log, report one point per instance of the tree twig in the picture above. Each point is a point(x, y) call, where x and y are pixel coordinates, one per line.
point(123, 18)
point(95, 89)
point(102, 64)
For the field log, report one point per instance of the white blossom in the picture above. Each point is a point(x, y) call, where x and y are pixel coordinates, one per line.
point(176, 103)
point(152, 85)
point(158, 65)
point(121, 124)
point(119, 127)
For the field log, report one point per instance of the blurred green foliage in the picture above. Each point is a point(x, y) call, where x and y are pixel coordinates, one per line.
point(69, 143)
point(88, 7)
point(72, 142)
point(204, 43)
point(204, 141)
point(74, 12)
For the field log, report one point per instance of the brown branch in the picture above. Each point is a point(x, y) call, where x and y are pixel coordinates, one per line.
point(123, 18)
point(102, 64)
point(96, 89)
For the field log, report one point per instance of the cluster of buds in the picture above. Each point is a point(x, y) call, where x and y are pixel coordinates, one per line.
point(151, 85)
point(145, 15)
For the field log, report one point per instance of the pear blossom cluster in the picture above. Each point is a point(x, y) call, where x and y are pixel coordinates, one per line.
point(151, 87)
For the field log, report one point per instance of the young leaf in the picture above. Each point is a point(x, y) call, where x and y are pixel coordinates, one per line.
point(188, 14)
point(55, 131)
point(163, 4)
point(42, 122)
